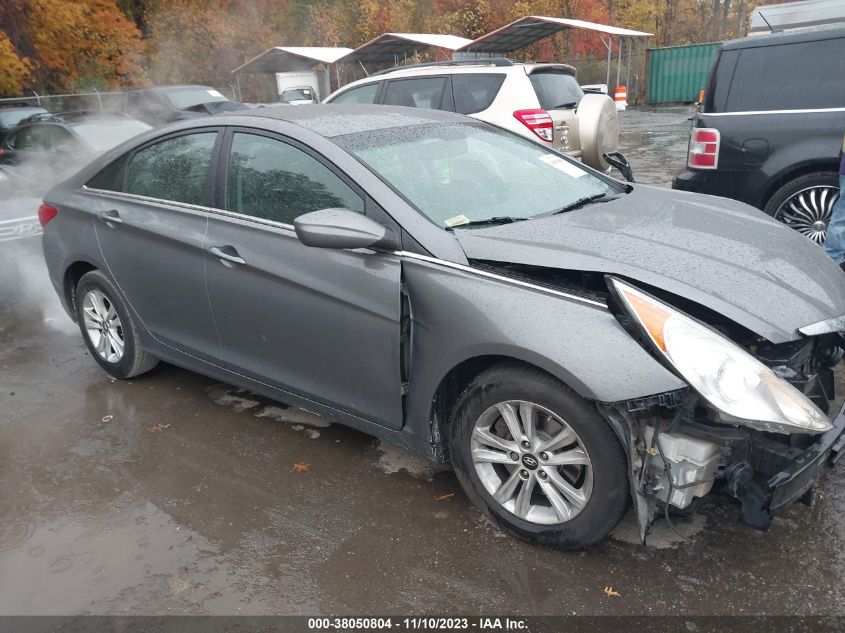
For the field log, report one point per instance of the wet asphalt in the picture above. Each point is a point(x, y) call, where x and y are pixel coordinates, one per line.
point(175, 494)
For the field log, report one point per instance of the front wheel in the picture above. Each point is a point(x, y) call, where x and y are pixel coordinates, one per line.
point(538, 459)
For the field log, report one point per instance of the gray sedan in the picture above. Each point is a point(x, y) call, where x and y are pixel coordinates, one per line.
point(569, 342)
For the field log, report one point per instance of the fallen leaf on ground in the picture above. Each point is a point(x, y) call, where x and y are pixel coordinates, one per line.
point(301, 467)
point(609, 591)
point(158, 427)
point(444, 497)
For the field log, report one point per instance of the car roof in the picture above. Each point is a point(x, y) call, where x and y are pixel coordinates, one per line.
point(171, 88)
point(71, 119)
point(331, 120)
point(796, 36)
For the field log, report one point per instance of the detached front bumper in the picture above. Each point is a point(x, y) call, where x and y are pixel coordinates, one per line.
point(763, 495)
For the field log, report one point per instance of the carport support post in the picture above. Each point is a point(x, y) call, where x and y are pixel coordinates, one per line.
point(628, 69)
point(609, 45)
point(238, 85)
point(619, 59)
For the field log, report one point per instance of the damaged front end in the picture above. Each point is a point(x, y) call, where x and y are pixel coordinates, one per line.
point(753, 424)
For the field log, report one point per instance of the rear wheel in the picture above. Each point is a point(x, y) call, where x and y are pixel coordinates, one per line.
point(805, 204)
point(538, 459)
point(108, 328)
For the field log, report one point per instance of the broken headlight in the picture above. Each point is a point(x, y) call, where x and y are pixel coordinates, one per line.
point(728, 377)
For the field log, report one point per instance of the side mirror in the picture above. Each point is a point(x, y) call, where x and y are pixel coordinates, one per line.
point(337, 228)
point(618, 160)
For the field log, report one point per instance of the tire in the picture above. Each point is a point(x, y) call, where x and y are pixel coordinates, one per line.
point(805, 203)
point(601, 481)
point(97, 295)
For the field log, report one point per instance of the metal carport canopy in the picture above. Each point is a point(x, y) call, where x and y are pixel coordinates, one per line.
point(525, 31)
point(389, 46)
point(280, 59)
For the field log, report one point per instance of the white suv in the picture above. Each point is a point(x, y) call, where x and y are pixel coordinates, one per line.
point(540, 101)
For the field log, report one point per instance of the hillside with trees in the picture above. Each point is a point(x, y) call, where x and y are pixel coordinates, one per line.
point(66, 45)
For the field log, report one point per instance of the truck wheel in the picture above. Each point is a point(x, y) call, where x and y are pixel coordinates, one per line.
point(538, 459)
point(805, 204)
point(598, 129)
point(108, 329)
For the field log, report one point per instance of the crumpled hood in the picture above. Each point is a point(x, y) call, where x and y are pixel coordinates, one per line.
point(722, 254)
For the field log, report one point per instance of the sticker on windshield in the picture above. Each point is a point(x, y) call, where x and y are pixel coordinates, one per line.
point(562, 165)
point(214, 93)
point(456, 221)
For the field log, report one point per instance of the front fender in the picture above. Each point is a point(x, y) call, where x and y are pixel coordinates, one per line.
point(458, 315)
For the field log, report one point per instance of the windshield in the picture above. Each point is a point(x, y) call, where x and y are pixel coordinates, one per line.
point(556, 89)
point(187, 97)
point(297, 94)
point(10, 118)
point(462, 173)
point(103, 135)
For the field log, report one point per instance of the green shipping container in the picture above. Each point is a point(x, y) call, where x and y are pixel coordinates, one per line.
point(676, 74)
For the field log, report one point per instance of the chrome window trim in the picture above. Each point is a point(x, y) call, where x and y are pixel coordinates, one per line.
point(184, 205)
point(401, 254)
point(751, 112)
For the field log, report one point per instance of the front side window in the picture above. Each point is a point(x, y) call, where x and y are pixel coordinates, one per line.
point(276, 181)
point(426, 92)
point(175, 169)
point(460, 173)
point(361, 94)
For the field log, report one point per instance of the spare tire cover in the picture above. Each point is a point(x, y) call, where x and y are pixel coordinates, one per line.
point(598, 126)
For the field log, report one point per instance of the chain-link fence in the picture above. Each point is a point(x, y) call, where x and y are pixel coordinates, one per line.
point(72, 101)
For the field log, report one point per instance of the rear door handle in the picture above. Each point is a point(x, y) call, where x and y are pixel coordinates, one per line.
point(111, 217)
point(230, 257)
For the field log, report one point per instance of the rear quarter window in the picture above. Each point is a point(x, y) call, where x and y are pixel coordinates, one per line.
point(798, 76)
point(475, 92)
point(556, 89)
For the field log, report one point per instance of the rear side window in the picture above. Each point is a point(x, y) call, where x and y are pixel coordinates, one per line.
point(796, 76)
point(276, 181)
point(474, 93)
point(175, 169)
point(361, 94)
point(425, 92)
point(556, 89)
point(31, 138)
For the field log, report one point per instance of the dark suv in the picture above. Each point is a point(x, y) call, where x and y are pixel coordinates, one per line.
point(771, 127)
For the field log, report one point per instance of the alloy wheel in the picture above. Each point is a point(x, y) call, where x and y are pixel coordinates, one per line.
point(808, 211)
point(531, 462)
point(103, 326)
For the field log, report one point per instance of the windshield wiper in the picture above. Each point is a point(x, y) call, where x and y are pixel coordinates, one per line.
point(581, 202)
point(564, 106)
point(497, 219)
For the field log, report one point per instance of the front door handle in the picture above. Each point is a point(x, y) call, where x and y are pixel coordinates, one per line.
point(228, 256)
point(111, 217)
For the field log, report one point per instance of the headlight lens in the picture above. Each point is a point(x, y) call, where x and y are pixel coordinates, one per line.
point(727, 376)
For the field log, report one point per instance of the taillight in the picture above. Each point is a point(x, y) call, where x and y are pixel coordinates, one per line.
point(46, 212)
point(703, 148)
point(538, 121)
